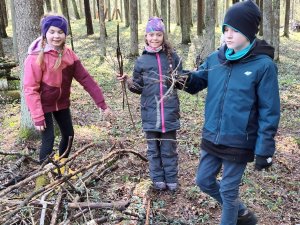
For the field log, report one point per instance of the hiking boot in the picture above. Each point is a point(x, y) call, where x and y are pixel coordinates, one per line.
point(172, 186)
point(248, 218)
point(159, 186)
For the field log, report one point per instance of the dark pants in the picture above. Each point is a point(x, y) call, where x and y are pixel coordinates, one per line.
point(64, 121)
point(162, 156)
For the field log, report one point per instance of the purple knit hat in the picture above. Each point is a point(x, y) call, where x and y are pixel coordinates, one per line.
point(155, 24)
point(56, 21)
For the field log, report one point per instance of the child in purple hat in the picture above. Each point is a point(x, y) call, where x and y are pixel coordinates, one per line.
point(153, 80)
point(49, 70)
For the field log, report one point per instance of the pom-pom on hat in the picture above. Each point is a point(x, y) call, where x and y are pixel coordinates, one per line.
point(244, 17)
point(155, 24)
point(56, 21)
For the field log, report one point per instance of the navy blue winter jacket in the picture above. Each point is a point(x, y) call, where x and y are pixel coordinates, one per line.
point(242, 107)
point(159, 111)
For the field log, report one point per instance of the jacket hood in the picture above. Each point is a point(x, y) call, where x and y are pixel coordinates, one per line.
point(260, 47)
point(35, 47)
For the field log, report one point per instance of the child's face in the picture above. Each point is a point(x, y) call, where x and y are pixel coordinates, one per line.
point(235, 39)
point(55, 37)
point(155, 39)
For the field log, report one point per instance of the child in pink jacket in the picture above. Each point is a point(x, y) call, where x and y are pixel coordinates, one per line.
point(49, 70)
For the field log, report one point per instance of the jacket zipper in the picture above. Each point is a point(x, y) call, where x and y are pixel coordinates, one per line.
point(162, 114)
point(222, 107)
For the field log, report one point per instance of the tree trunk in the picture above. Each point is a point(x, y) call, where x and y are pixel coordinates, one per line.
point(121, 5)
point(155, 9)
point(48, 5)
point(134, 46)
point(108, 10)
point(5, 16)
point(286, 32)
point(101, 13)
point(210, 25)
point(164, 16)
point(75, 8)
point(27, 17)
point(200, 24)
point(126, 13)
point(276, 35)
point(140, 12)
point(185, 22)
point(88, 18)
point(261, 27)
point(149, 9)
point(64, 7)
point(1, 48)
point(3, 33)
point(178, 12)
point(169, 16)
point(81, 8)
point(55, 6)
point(268, 21)
point(13, 22)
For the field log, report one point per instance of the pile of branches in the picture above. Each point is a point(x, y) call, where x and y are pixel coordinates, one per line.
point(65, 200)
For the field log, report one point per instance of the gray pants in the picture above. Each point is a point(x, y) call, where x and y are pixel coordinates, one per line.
point(162, 156)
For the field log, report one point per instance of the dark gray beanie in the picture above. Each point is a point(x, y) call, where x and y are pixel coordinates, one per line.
point(245, 17)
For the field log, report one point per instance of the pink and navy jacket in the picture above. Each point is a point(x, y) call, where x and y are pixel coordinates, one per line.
point(48, 90)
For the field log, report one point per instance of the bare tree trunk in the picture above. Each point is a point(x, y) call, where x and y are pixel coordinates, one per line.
point(75, 8)
point(27, 16)
point(261, 27)
point(169, 16)
point(108, 10)
point(3, 33)
point(200, 16)
point(149, 9)
point(126, 12)
point(286, 32)
point(276, 35)
point(178, 12)
point(55, 6)
point(5, 16)
point(81, 8)
point(268, 21)
point(217, 14)
point(1, 48)
point(210, 25)
point(13, 22)
point(102, 28)
point(140, 11)
point(134, 47)
point(121, 5)
point(185, 22)
point(48, 5)
point(155, 9)
point(64, 7)
point(164, 16)
point(88, 18)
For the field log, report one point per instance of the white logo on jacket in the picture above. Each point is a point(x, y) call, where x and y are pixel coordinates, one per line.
point(248, 73)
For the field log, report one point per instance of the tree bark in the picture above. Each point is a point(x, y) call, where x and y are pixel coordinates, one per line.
point(48, 5)
point(134, 47)
point(185, 22)
point(102, 28)
point(261, 27)
point(276, 35)
point(88, 18)
point(210, 25)
point(75, 8)
point(268, 21)
point(126, 13)
point(27, 17)
point(286, 32)
point(1, 48)
point(200, 16)
point(3, 33)
point(13, 22)
point(164, 16)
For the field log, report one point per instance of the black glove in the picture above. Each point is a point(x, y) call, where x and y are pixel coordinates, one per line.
point(262, 162)
point(181, 81)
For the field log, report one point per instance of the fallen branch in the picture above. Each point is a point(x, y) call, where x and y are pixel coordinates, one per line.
point(118, 205)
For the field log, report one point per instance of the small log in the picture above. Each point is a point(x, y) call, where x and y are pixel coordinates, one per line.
point(118, 205)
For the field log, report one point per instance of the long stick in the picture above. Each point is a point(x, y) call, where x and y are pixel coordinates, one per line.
point(120, 64)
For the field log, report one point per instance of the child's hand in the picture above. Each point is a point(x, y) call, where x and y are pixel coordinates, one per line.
point(122, 77)
point(40, 127)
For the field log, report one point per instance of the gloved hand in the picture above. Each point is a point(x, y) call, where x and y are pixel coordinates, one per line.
point(181, 81)
point(262, 162)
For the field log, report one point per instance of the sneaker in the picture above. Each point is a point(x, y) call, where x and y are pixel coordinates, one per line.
point(159, 185)
point(172, 186)
point(248, 218)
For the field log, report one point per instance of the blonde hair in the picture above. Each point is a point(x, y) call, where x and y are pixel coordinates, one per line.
point(40, 57)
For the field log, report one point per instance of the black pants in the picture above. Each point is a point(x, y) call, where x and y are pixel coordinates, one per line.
point(64, 121)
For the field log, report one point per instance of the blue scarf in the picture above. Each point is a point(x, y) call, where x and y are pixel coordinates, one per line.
point(231, 55)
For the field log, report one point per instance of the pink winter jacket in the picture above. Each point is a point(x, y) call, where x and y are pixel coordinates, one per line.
point(47, 90)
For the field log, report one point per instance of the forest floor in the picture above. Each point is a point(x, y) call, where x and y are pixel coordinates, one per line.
point(274, 195)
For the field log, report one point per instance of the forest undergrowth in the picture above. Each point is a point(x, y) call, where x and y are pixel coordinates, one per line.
point(273, 195)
